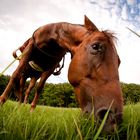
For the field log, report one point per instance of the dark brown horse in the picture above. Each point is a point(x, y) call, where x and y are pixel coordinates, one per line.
point(93, 71)
point(30, 71)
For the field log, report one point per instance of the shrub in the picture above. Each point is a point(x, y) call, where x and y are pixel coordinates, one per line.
point(61, 95)
point(131, 93)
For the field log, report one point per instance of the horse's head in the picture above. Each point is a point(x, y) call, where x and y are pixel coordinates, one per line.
point(93, 72)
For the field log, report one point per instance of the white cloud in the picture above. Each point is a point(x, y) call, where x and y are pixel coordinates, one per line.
point(131, 2)
point(124, 12)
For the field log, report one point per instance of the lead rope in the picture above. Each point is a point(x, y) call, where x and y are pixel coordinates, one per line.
point(10, 64)
point(57, 72)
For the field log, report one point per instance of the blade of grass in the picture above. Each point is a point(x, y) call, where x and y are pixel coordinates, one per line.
point(78, 129)
point(103, 122)
point(133, 32)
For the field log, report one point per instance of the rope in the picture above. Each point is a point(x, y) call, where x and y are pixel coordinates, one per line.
point(133, 32)
point(10, 65)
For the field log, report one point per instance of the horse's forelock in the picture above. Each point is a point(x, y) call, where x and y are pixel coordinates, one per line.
point(111, 36)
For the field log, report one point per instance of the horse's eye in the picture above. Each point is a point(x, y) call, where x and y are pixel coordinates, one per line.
point(97, 48)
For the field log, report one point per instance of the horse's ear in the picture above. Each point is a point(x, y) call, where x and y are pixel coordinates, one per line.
point(89, 24)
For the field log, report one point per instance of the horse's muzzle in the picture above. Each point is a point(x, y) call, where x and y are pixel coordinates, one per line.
point(112, 121)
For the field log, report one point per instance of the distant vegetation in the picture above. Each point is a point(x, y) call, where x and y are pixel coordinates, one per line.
point(62, 95)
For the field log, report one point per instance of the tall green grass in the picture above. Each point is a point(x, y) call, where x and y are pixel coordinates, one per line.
point(48, 123)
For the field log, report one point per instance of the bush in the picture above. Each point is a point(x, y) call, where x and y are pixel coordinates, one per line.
point(131, 93)
point(60, 95)
point(3, 82)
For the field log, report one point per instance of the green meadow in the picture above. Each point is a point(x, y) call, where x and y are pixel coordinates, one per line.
point(53, 123)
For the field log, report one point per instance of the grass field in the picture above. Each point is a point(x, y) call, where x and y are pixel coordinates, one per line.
point(48, 123)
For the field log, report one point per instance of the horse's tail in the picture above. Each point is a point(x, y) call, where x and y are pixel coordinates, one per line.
point(21, 49)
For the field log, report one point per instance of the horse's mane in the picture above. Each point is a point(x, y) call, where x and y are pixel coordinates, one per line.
point(111, 36)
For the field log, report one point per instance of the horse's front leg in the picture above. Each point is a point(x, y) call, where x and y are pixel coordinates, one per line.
point(17, 73)
point(40, 86)
point(19, 87)
point(31, 85)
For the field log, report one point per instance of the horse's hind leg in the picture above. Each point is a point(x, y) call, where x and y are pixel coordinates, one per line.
point(22, 84)
point(17, 73)
point(40, 86)
point(31, 85)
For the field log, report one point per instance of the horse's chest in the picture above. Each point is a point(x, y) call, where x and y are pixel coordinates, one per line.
point(44, 59)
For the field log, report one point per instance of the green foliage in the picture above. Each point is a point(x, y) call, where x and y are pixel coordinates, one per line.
point(3, 82)
point(62, 95)
point(53, 94)
point(131, 93)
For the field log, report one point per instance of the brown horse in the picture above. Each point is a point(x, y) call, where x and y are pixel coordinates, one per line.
point(93, 71)
point(30, 71)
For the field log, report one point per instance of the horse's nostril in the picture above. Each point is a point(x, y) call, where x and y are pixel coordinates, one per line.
point(101, 114)
point(110, 123)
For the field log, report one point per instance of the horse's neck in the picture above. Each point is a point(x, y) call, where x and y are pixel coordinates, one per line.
point(66, 35)
point(70, 35)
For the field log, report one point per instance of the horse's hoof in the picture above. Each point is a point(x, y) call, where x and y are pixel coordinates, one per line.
point(32, 108)
point(19, 102)
point(2, 100)
point(25, 102)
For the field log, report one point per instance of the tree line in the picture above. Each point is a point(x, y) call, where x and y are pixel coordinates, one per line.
point(62, 94)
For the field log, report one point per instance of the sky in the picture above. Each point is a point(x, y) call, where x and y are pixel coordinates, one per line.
point(20, 18)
